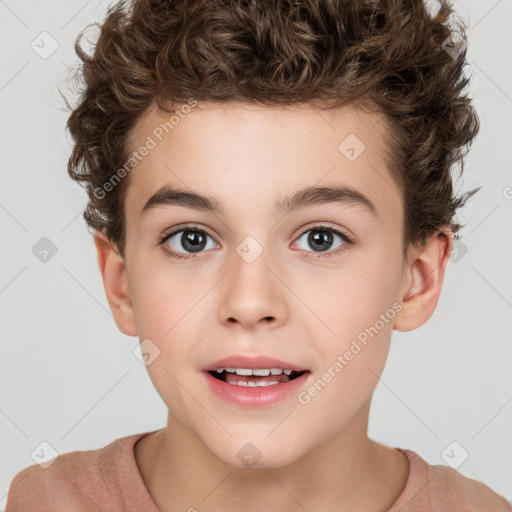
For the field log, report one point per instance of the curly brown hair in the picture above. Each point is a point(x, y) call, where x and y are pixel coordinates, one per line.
point(390, 56)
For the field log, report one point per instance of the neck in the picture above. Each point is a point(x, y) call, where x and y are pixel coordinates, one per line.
point(345, 472)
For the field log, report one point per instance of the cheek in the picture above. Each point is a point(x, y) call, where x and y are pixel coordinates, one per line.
point(358, 307)
point(355, 298)
point(168, 313)
point(354, 357)
point(165, 297)
point(172, 308)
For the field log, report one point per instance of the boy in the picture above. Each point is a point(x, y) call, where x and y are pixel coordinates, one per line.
point(222, 144)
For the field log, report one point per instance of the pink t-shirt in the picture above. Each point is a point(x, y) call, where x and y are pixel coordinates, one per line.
point(108, 479)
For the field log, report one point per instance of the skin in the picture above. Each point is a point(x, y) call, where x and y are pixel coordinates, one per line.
point(315, 456)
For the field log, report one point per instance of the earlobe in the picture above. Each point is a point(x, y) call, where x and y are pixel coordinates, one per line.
point(424, 280)
point(115, 283)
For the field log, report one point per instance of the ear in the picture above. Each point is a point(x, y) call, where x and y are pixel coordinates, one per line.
point(423, 280)
point(115, 282)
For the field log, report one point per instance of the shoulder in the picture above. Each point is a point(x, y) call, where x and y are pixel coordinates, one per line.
point(27, 491)
point(448, 485)
point(81, 480)
point(442, 488)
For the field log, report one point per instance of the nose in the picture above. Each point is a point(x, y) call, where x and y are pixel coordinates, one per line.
point(252, 293)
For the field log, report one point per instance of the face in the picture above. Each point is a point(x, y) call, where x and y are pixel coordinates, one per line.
point(314, 283)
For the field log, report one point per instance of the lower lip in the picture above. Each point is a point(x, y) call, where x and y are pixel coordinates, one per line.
point(258, 396)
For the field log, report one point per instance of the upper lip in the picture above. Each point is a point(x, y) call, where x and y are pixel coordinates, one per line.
point(252, 362)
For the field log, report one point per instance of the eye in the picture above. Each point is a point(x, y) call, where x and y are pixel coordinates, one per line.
point(321, 238)
point(193, 240)
point(187, 241)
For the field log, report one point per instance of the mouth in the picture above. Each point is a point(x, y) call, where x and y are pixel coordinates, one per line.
point(255, 381)
point(260, 377)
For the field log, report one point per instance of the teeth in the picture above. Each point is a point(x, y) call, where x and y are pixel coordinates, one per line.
point(243, 371)
point(254, 384)
point(259, 372)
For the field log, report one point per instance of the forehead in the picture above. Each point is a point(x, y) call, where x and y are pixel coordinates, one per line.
point(242, 155)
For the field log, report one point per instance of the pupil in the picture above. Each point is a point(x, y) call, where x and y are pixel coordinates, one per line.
point(317, 237)
point(193, 241)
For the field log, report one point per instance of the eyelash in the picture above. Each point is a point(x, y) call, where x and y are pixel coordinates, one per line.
point(320, 227)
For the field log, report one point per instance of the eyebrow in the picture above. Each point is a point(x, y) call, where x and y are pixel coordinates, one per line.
point(309, 196)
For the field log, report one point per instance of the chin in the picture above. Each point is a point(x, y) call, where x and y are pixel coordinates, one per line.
point(253, 454)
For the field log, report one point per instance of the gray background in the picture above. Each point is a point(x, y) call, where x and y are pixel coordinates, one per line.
point(70, 378)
